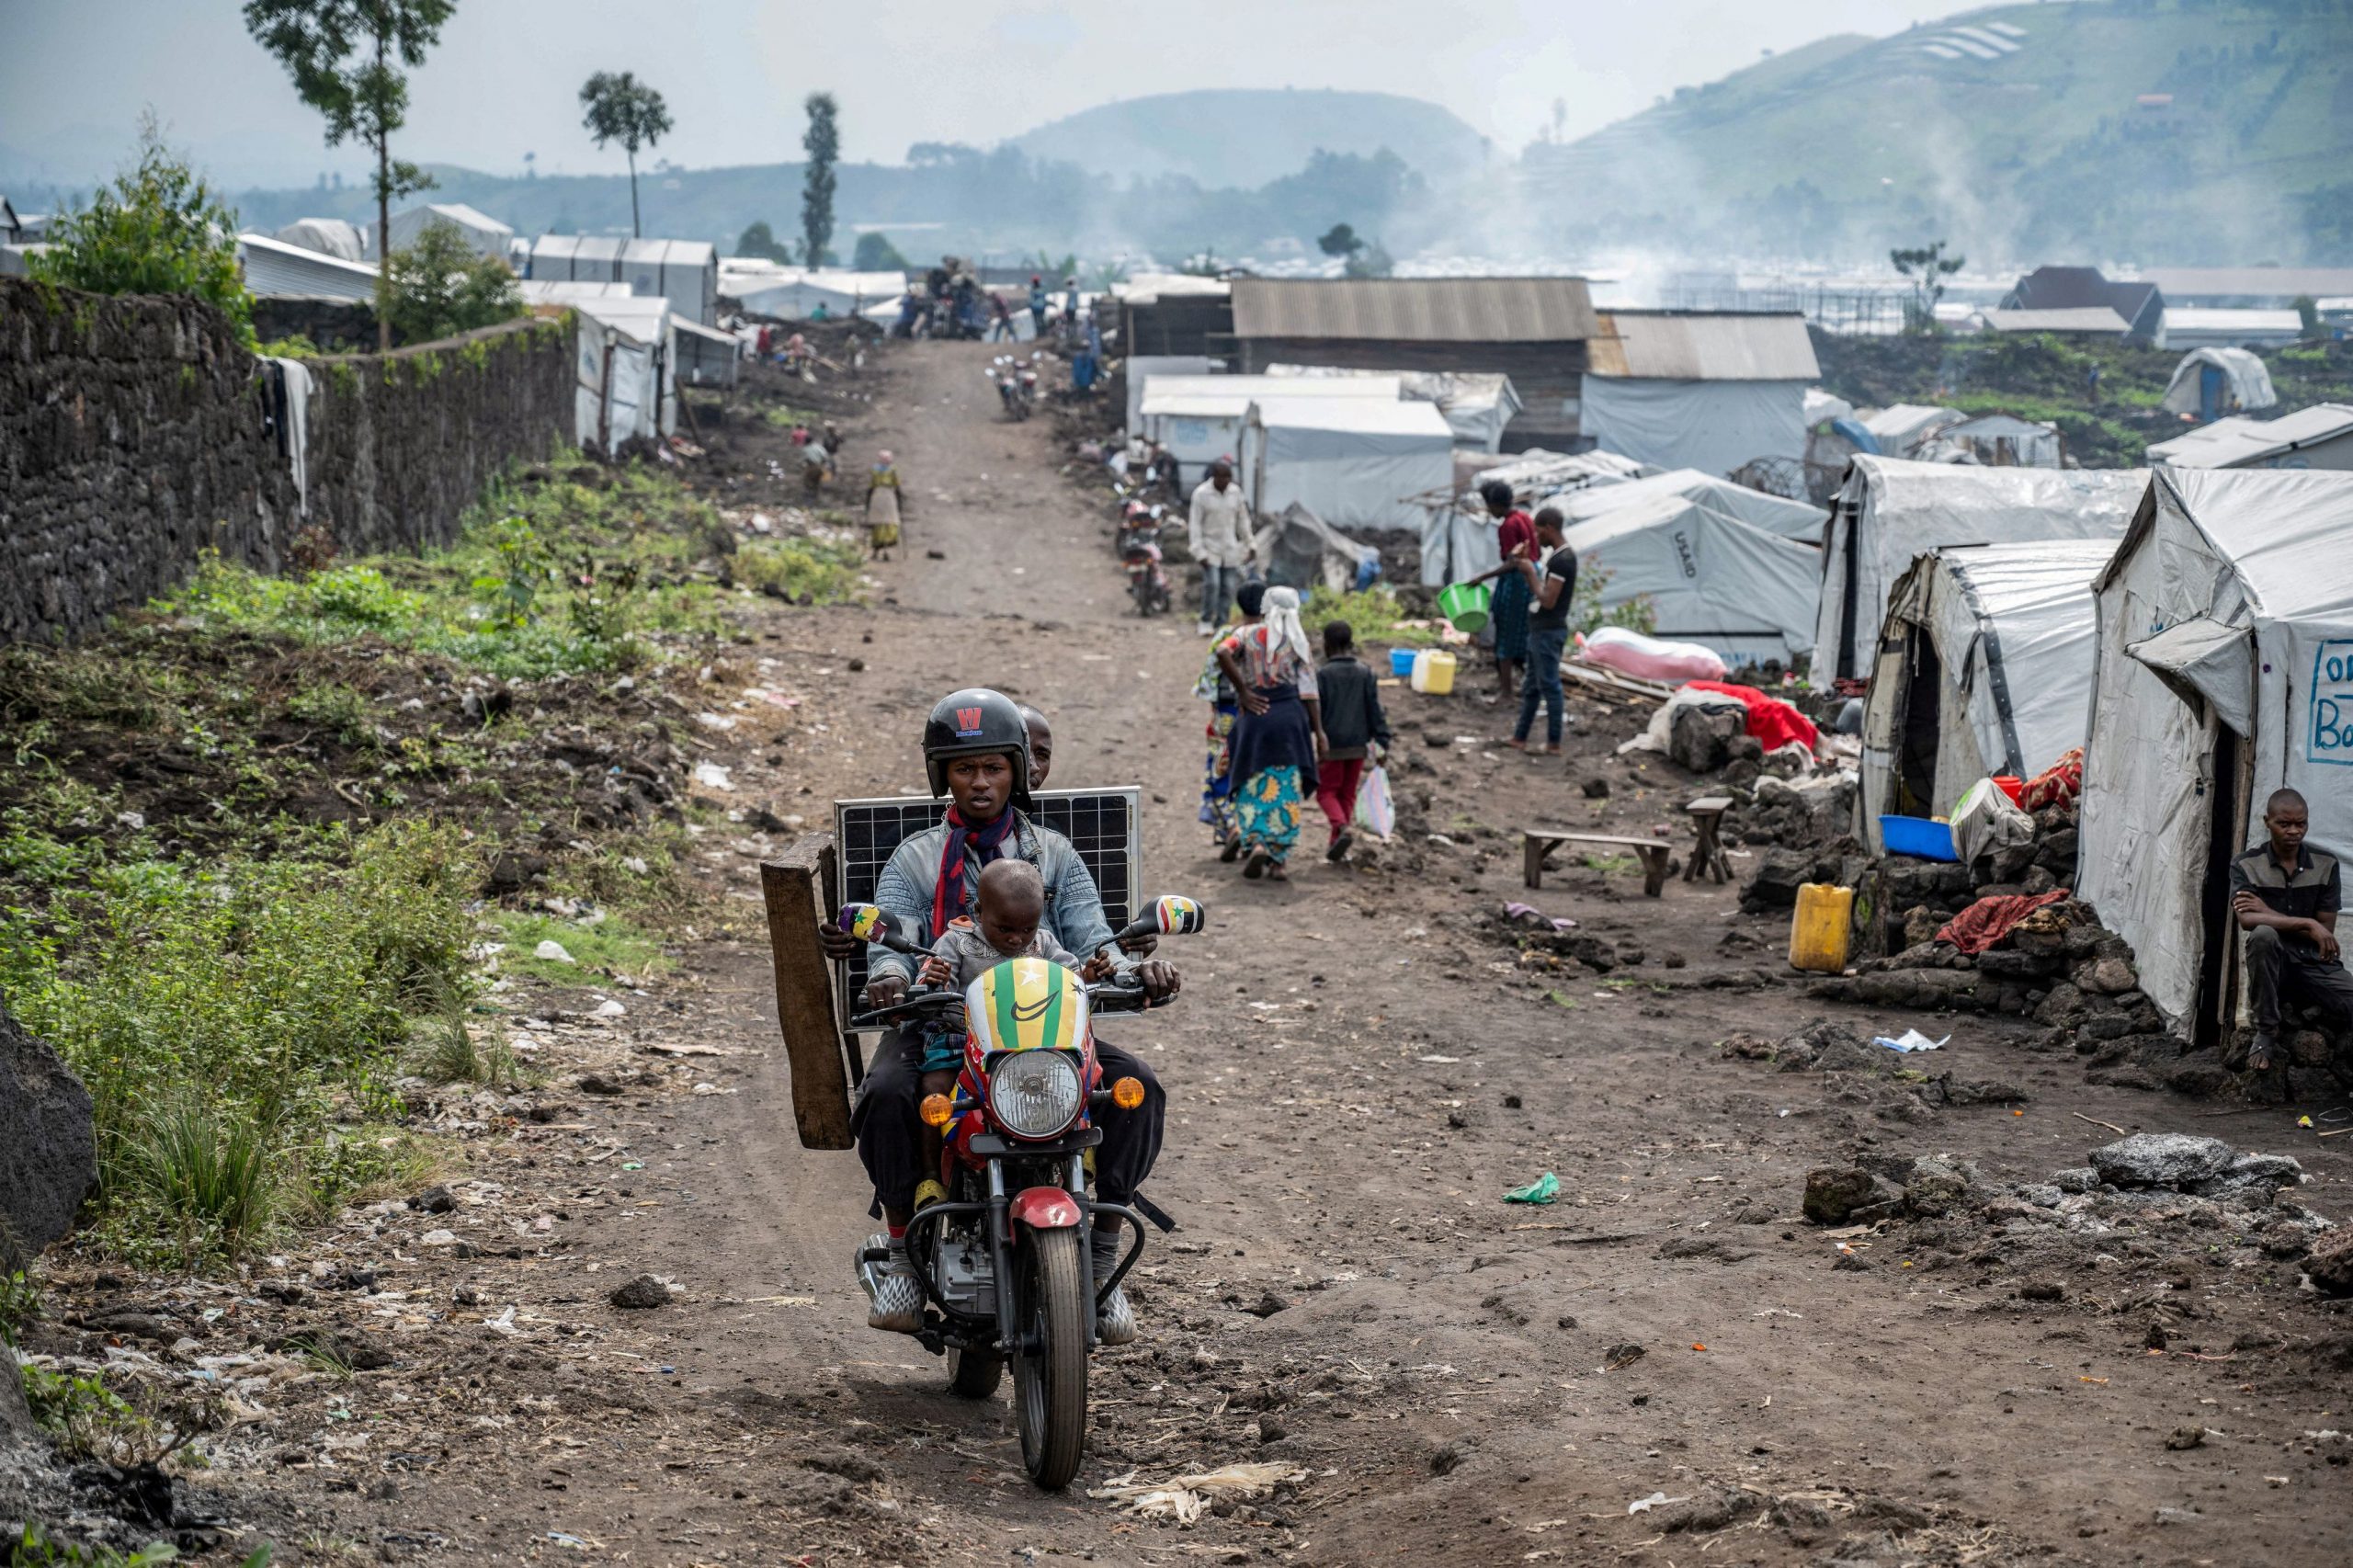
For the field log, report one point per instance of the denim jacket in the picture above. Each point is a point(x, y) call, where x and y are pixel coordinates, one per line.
point(910, 878)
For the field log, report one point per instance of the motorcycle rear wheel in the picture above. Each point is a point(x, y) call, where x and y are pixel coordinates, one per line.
point(1049, 1384)
point(974, 1374)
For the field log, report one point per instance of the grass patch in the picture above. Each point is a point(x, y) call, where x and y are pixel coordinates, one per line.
point(1611, 865)
point(784, 416)
point(1372, 615)
point(612, 949)
point(814, 570)
point(548, 576)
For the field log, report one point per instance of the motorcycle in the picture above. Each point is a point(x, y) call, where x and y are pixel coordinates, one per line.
point(1017, 391)
point(1139, 553)
point(1020, 1209)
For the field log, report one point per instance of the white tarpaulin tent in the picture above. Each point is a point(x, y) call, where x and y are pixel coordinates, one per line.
point(703, 355)
point(622, 387)
point(1984, 667)
point(2224, 672)
point(555, 296)
point(1716, 427)
point(1355, 462)
point(1300, 550)
point(2318, 436)
point(2243, 382)
point(273, 266)
point(1890, 510)
point(1994, 440)
point(1710, 578)
point(483, 234)
point(1141, 368)
point(1901, 429)
point(328, 236)
point(683, 272)
point(1198, 418)
point(1791, 519)
point(1477, 405)
point(1458, 534)
point(794, 293)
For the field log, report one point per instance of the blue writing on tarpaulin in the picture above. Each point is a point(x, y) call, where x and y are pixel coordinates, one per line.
point(2328, 737)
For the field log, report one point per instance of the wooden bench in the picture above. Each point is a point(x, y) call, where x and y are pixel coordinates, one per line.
point(1536, 844)
point(1707, 850)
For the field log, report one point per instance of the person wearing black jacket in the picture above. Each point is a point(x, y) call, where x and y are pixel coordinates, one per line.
point(1354, 727)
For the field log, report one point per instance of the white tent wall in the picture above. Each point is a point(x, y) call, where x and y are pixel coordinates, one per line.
point(1477, 404)
point(1715, 427)
point(794, 293)
point(1357, 463)
point(2254, 555)
point(622, 387)
point(483, 234)
point(1799, 520)
point(1141, 368)
point(1711, 579)
point(684, 272)
point(2011, 627)
point(1890, 510)
point(328, 236)
point(2245, 382)
point(1199, 418)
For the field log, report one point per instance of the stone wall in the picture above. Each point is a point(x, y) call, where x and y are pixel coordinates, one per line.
point(135, 434)
point(334, 326)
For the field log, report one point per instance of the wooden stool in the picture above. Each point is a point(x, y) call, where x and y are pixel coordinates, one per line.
point(1536, 844)
point(1707, 816)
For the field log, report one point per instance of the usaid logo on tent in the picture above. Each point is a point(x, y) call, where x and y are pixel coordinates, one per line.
point(2330, 737)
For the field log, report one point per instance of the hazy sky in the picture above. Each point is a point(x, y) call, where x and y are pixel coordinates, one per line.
point(74, 74)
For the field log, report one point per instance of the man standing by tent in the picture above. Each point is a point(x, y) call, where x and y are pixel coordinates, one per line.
point(1551, 586)
point(2286, 895)
point(1218, 528)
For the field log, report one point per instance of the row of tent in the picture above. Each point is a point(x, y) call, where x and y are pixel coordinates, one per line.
point(2197, 644)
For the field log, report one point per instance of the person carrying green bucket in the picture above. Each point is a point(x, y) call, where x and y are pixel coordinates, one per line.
point(1508, 609)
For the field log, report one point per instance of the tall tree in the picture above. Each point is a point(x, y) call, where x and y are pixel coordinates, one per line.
point(345, 58)
point(824, 145)
point(622, 108)
point(759, 240)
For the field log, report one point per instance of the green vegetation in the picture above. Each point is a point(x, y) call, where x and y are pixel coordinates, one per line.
point(1372, 615)
point(19, 1303)
point(822, 144)
point(803, 571)
point(438, 287)
point(158, 229)
point(875, 253)
point(759, 240)
point(548, 577)
point(612, 948)
point(619, 107)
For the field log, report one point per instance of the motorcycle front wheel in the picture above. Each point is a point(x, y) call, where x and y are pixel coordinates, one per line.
point(1050, 1379)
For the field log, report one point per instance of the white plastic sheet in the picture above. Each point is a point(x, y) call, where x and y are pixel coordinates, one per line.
point(1715, 427)
point(1799, 520)
point(1714, 580)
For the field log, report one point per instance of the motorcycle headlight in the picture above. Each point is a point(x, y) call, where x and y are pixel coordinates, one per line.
point(1034, 1094)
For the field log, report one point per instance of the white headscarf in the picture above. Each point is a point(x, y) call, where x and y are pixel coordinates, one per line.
point(1280, 612)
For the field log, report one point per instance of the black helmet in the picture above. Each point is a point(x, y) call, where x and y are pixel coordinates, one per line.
point(976, 722)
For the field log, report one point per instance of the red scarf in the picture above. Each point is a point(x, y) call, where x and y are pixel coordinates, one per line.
point(987, 843)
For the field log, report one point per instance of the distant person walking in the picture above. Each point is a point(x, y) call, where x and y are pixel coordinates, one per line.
point(1507, 609)
point(1277, 738)
point(1038, 304)
point(1218, 528)
point(885, 511)
point(1552, 586)
point(1355, 729)
point(1216, 776)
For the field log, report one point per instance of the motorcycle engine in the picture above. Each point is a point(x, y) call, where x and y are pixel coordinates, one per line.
point(966, 1279)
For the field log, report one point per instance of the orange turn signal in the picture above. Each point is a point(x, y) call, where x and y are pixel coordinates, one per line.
point(938, 1111)
point(1128, 1093)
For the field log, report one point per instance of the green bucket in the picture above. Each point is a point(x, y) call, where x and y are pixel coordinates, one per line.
point(1464, 604)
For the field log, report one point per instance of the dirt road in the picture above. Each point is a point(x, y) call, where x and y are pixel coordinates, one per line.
point(1362, 1064)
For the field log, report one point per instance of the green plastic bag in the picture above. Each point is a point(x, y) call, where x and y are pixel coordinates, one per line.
point(1543, 1189)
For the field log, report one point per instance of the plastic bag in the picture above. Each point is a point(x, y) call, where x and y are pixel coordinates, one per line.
point(1649, 658)
point(1983, 819)
point(1376, 813)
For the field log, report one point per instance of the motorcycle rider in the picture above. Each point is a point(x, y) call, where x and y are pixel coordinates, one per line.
point(976, 752)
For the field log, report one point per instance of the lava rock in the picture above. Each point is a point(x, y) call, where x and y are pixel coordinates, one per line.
point(641, 1293)
point(1834, 1192)
point(48, 1150)
point(434, 1199)
point(1774, 884)
point(2330, 1266)
point(1700, 738)
point(2162, 1159)
point(1597, 789)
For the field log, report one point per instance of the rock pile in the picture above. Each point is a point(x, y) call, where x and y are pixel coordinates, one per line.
point(2148, 1179)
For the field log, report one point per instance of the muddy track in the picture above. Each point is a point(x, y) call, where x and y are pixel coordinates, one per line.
point(1362, 1064)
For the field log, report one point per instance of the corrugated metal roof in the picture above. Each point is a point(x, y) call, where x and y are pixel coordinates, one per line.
point(1695, 346)
point(2250, 282)
point(273, 266)
point(1415, 310)
point(2237, 441)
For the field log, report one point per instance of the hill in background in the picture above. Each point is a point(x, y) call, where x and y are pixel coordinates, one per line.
point(2156, 131)
point(1242, 138)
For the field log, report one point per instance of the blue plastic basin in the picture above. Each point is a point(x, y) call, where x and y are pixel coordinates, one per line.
point(1918, 836)
point(1401, 663)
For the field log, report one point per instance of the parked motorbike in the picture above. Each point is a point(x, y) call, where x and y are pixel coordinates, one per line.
point(1006, 1270)
point(1147, 578)
point(1016, 389)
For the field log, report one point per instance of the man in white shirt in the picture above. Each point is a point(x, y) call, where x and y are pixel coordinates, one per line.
point(1218, 532)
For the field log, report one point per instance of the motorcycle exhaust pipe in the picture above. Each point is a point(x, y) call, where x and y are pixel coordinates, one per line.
point(866, 1260)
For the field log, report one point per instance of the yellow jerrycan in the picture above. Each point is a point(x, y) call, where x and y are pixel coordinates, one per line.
point(1820, 927)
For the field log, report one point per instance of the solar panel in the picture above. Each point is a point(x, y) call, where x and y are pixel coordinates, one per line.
point(1101, 825)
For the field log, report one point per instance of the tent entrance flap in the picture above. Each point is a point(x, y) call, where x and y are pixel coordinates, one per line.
point(2205, 660)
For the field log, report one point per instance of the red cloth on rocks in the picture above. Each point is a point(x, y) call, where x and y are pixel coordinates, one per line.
point(2056, 785)
point(1773, 722)
point(1989, 920)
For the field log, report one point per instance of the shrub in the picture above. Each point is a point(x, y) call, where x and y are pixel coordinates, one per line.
point(438, 287)
point(805, 571)
point(158, 229)
point(207, 1172)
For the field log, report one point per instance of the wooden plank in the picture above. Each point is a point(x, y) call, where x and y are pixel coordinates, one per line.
point(794, 888)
